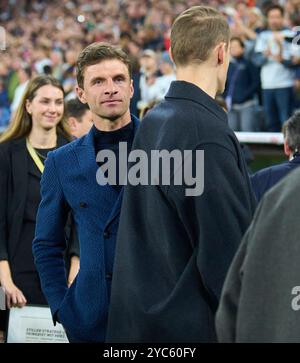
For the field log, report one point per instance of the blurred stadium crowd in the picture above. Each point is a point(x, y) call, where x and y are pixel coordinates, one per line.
point(45, 36)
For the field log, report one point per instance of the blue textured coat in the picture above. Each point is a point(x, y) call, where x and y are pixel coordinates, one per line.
point(69, 182)
point(265, 179)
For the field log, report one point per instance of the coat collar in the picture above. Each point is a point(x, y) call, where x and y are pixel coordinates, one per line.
point(88, 140)
point(61, 140)
point(189, 91)
point(86, 155)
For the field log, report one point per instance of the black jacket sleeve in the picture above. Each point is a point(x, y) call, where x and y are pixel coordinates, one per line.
point(4, 170)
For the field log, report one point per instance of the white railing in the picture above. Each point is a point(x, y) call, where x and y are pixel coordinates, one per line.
point(274, 138)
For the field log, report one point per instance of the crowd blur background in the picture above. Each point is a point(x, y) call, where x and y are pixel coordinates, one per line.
point(45, 37)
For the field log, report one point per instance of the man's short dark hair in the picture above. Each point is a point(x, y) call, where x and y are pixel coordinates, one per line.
point(291, 132)
point(275, 7)
point(96, 53)
point(75, 108)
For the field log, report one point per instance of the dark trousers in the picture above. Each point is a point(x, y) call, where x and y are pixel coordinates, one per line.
point(278, 107)
point(3, 319)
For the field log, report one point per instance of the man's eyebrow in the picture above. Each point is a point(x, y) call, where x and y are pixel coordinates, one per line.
point(123, 75)
point(120, 75)
point(97, 79)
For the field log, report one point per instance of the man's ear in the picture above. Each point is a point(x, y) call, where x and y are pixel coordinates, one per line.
point(80, 94)
point(287, 150)
point(221, 52)
point(72, 122)
point(131, 89)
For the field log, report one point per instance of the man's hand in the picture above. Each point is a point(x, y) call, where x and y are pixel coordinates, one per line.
point(74, 268)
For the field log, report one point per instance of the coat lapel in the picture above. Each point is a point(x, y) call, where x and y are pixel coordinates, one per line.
point(86, 156)
point(88, 168)
point(117, 207)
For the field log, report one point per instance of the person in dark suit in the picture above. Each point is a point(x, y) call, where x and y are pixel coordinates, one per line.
point(175, 243)
point(70, 183)
point(266, 178)
point(38, 127)
point(260, 300)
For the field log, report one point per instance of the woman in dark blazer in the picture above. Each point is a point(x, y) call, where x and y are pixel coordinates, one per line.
point(38, 127)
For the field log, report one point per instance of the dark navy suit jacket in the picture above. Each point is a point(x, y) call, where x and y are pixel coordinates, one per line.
point(69, 182)
point(174, 250)
point(266, 178)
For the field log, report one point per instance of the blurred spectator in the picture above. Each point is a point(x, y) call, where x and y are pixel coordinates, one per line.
point(42, 59)
point(241, 89)
point(149, 74)
point(69, 75)
point(163, 82)
point(255, 20)
point(4, 105)
point(24, 74)
point(274, 54)
point(266, 178)
point(157, 73)
point(79, 117)
point(136, 75)
point(48, 36)
point(57, 64)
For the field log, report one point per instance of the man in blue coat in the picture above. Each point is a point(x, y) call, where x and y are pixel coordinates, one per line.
point(69, 182)
point(266, 178)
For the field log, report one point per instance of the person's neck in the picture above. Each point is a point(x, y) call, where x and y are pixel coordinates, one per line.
point(201, 76)
point(43, 139)
point(103, 124)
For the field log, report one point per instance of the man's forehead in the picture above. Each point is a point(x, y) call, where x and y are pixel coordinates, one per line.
point(108, 67)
